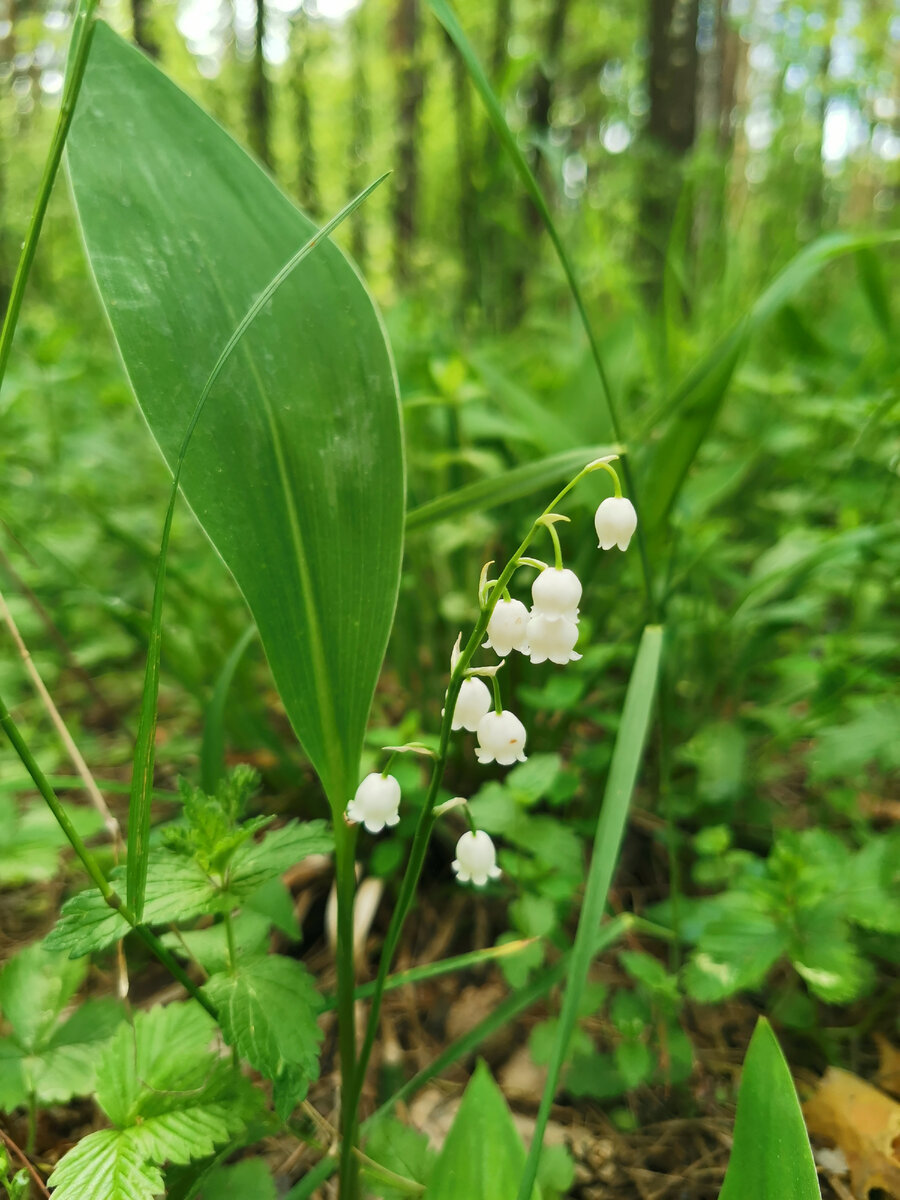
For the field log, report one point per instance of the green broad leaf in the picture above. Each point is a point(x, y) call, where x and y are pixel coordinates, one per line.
point(191, 1130)
point(255, 863)
point(66, 1066)
point(871, 887)
point(13, 1084)
point(735, 952)
point(557, 1172)
point(483, 1156)
point(86, 924)
point(177, 890)
point(106, 1165)
point(246, 1180)
point(31, 839)
point(771, 1157)
point(634, 1062)
point(210, 946)
point(267, 1011)
point(296, 469)
point(152, 1066)
point(401, 1150)
point(35, 987)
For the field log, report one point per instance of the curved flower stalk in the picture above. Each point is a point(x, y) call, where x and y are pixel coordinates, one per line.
point(507, 624)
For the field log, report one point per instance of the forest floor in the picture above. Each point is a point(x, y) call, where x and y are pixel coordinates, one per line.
point(677, 1149)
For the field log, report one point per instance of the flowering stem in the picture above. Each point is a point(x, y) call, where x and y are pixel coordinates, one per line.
point(427, 818)
point(557, 549)
point(345, 873)
point(498, 699)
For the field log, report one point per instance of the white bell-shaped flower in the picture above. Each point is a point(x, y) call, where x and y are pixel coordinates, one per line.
point(507, 628)
point(476, 859)
point(556, 594)
point(553, 638)
point(615, 522)
point(472, 703)
point(501, 738)
point(376, 803)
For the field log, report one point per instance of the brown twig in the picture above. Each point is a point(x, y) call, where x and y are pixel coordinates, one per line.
point(26, 1162)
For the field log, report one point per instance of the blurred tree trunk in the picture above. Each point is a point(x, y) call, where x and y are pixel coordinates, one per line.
point(409, 100)
point(500, 39)
point(538, 118)
point(307, 182)
point(466, 206)
point(258, 97)
point(360, 135)
point(672, 76)
point(140, 22)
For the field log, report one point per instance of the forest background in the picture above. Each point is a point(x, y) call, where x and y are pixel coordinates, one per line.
point(692, 153)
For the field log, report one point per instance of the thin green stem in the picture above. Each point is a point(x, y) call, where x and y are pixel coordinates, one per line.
point(31, 1134)
point(345, 872)
point(232, 949)
point(557, 548)
point(82, 33)
point(498, 697)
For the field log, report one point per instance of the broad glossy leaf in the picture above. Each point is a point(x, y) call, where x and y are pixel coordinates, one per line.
point(483, 1156)
point(771, 1158)
point(296, 467)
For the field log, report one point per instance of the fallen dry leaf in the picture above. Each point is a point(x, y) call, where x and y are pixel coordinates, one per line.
point(862, 1122)
point(888, 1065)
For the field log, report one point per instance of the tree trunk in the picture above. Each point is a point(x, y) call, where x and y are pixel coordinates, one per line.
point(361, 137)
point(672, 75)
point(258, 99)
point(466, 206)
point(409, 100)
point(141, 28)
point(307, 182)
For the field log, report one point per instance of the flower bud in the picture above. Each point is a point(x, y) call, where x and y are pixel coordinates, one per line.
point(376, 803)
point(553, 638)
point(473, 702)
point(556, 593)
point(615, 522)
point(507, 628)
point(501, 738)
point(476, 859)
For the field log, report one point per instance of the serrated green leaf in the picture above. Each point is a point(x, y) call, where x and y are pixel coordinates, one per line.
point(771, 1157)
point(267, 1011)
point(35, 987)
point(31, 840)
point(66, 1066)
point(13, 1087)
point(210, 946)
point(483, 1156)
point(634, 1062)
point(246, 1180)
point(86, 924)
point(191, 1130)
point(734, 952)
point(400, 1149)
point(183, 231)
point(146, 1066)
point(177, 890)
point(106, 1165)
point(255, 863)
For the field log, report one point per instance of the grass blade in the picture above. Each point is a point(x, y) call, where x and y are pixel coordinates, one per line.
point(142, 774)
point(503, 489)
point(620, 783)
point(693, 407)
point(771, 1158)
point(212, 749)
